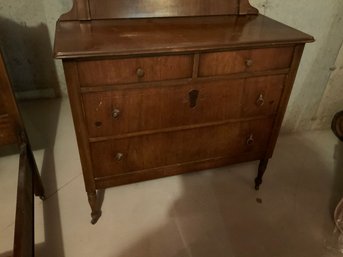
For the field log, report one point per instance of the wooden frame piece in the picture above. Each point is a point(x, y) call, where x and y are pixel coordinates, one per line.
point(86, 9)
point(24, 227)
point(79, 11)
point(29, 181)
point(245, 8)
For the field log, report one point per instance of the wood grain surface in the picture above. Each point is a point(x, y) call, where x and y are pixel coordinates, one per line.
point(99, 38)
point(221, 63)
point(158, 150)
point(160, 88)
point(121, 71)
point(110, 9)
point(154, 108)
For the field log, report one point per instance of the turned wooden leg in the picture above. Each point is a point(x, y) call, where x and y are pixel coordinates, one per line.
point(38, 186)
point(37, 181)
point(93, 202)
point(261, 169)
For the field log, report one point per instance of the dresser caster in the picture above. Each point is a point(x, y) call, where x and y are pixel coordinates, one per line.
point(96, 212)
point(95, 217)
point(258, 182)
point(261, 169)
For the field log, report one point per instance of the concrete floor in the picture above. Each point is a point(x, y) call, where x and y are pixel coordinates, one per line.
point(214, 213)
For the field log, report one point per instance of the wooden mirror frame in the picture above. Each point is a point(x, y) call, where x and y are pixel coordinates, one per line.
point(82, 10)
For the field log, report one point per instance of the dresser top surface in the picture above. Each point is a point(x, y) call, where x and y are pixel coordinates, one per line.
point(122, 37)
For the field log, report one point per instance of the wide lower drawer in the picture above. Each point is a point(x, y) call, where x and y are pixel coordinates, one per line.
point(131, 70)
point(115, 157)
point(230, 62)
point(154, 108)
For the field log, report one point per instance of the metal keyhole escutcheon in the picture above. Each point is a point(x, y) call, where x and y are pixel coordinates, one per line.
point(193, 98)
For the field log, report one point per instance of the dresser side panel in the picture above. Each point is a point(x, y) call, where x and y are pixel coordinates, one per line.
point(290, 78)
point(72, 78)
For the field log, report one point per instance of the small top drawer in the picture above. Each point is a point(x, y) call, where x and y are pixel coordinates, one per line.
point(222, 63)
point(132, 70)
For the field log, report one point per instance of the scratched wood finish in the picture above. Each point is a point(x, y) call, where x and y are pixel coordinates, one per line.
point(154, 108)
point(127, 70)
point(141, 153)
point(221, 63)
point(120, 37)
point(110, 9)
point(164, 95)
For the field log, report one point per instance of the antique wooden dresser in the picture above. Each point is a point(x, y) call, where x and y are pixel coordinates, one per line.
point(159, 88)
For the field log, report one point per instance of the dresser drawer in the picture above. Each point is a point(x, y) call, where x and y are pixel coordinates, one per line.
point(157, 150)
point(140, 109)
point(122, 71)
point(261, 95)
point(222, 63)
